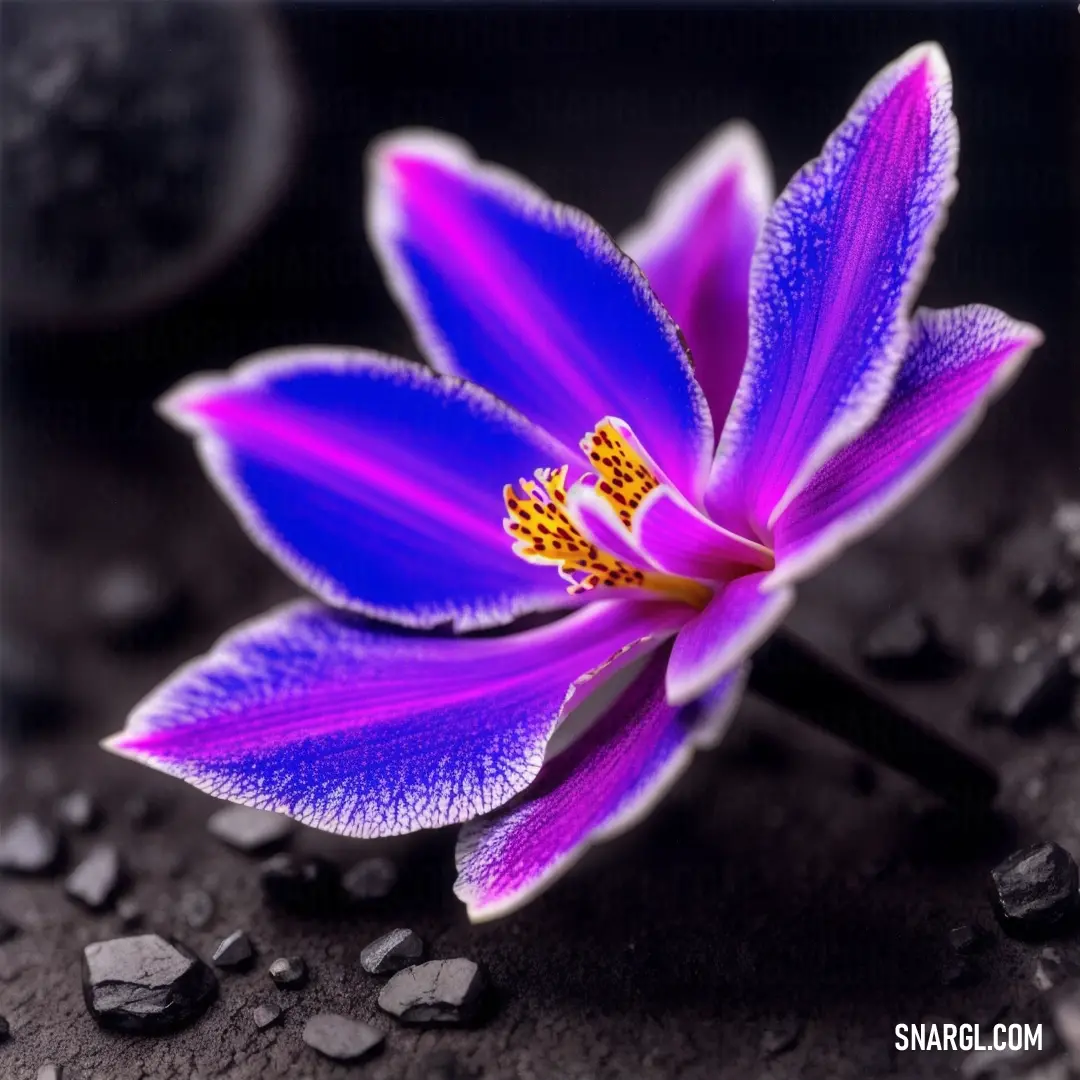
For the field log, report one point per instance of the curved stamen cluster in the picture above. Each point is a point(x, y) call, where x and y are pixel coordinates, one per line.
point(544, 531)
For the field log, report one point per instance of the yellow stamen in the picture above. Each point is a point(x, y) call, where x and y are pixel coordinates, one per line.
point(624, 477)
point(545, 533)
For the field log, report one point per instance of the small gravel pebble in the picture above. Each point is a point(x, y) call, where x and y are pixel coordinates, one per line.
point(235, 951)
point(137, 607)
point(265, 1015)
point(907, 645)
point(143, 812)
point(79, 810)
point(97, 879)
point(438, 992)
point(1037, 890)
point(340, 1037)
point(968, 938)
point(28, 846)
point(307, 886)
point(289, 972)
point(370, 879)
point(1029, 693)
point(250, 830)
point(392, 952)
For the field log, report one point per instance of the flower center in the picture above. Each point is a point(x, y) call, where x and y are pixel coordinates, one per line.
point(541, 521)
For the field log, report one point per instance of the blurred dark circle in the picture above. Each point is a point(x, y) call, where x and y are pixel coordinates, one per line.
point(142, 143)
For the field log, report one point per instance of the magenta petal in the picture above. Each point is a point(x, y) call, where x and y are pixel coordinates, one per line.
point(532, 300)
point(604, 784)
point(351, 729)
point(735, 623)
point(957, 362)
point(695, 246)
point(678, 539)
point(842, 253)
point(376, 483)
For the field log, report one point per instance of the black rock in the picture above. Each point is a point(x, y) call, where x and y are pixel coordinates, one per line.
point(137, 607)
point(907, 645)
point(1036, 891)
point(370, 879)
point(1029, 693)
point(141, 147)
point(266, 1016)
point(5, 1029)
point(143, 812)
point(341, 1038)
point(289, 972)
point(392, 952)
point(235, 951)
point(781, 1038)
point(79, 810)
point(97, 879)
point(197, 908)
point(28, 846)
point(960, 971)
point(145, 984)
point(967, 938)
point(248, 829)
point(130, 912)
point(1049, 588)
point(438, 992)
point(308, 886)
point(8, 930)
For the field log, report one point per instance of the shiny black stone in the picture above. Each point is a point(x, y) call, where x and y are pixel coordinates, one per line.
point(907, 645)
point(1030, 693)
point(289, 972)
point(438, 992)
point(145, 984)
point(265, 1016)
point(392, 952)
point(97, 879)
point(79, 810)
point(370, 879)
point(340, 1037)
point(308, 886)
point(1036, 891)
point(250, 830)
point(143, 812)
point(28, 846)
point(137, 607)
point(235, 951)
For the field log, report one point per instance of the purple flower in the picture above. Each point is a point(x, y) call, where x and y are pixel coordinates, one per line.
point(389, 490)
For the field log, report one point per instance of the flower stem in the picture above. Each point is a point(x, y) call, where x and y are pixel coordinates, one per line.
point(790, 674)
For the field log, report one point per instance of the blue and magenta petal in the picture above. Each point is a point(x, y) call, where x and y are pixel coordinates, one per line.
point(599, 787)
point(958, 361)
point(352, 729)
point(695, 245)
point(533, 300)
point(841, 255)
point(376, 483)
point(737, 620)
